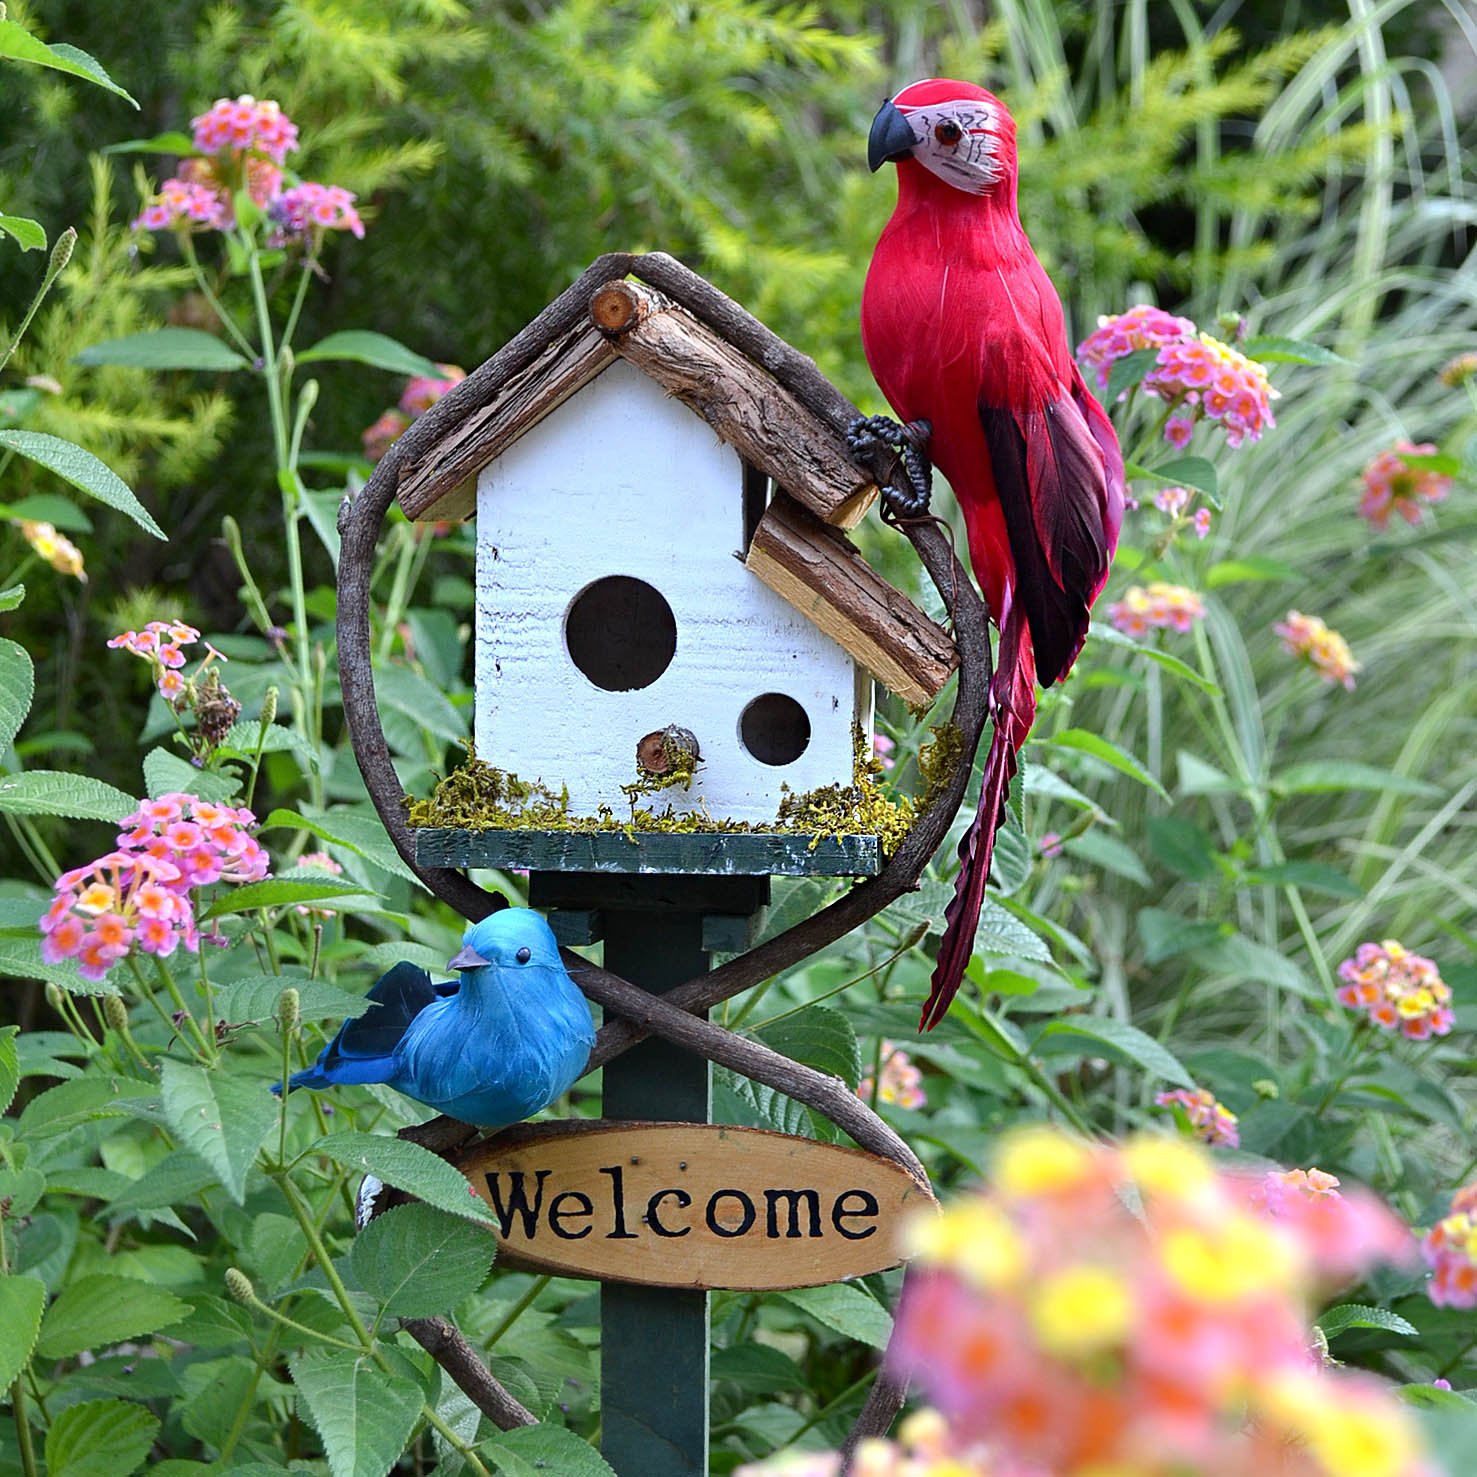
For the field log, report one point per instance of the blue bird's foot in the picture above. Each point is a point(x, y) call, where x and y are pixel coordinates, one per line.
point(868, 432)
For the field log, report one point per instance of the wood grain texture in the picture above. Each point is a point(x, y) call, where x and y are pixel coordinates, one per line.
point(696, 1205)
point(823, 575)
point(748, 409)
point(710, 853)
point(436, 484)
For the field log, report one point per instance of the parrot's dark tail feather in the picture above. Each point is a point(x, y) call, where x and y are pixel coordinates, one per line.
point(1014, 694)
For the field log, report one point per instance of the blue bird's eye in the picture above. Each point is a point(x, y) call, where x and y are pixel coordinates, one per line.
point(524, 955)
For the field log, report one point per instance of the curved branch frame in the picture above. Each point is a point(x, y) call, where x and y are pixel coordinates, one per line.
point(676, 1014)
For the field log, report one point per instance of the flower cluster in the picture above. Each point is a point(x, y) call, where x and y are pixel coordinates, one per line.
point(1174, 501)
point(1450, 1250)
point(1458, 371)
point(55, 548)
point(1212, 1121)
point(205, 841)
point(1197, 375)
point(1159, 605)
point(898, 1082)
point(243, 146)
point(1126, 1309)
point(1341, 1235)
point(1398, 990)
point(1392, 485)
point(161, 644)
point(121, 902)
point(924, 1448)
point(1323, 648)
point(420, 394)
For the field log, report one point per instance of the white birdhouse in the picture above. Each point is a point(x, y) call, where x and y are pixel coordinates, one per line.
point(638, 574)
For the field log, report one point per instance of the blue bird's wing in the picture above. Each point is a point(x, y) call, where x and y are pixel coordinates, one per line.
point(364, 1048)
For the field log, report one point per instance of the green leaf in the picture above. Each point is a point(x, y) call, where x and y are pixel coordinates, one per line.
point(819, 1037)
point(50, 792)
point(1127, 372)
point(50, 507)
point(1098, 849)
point(99, 1438)
point(1360, 1315)
point(407, 1166)
point(161, 143)
point(847, 1309)
point(83, 470)
point(1199, 778)
point(26, 231)
point(272, 892)
point(365, 347)
point(363, 1415)
point(540, 1451)
point(1194, 472)
point(1171, 663)
point(255, 998)
point(19, 45)
point(364, 835)
point(165, 348)
point(221, 1118)
point(1321, 775)
point(999, 931)
point(1011, 863)
point(17, 687)
point(1238, 956)
point(63, 1107)
point(23, 1188)
point(10, 1070)
point(1180, 845)
point(758, 1369)
point(105, 1309)
point(1086, 742)
point(1269, 348)
point(1166, 935)
point(21, 1302)
point(426, 706)
point(1085, 1034)
point(168, 774)
point(1250, 567)
point(420, 1261)
point(1314, 876)
point(243, 737)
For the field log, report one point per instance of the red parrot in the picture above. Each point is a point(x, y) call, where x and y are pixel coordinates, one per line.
point(963, 329)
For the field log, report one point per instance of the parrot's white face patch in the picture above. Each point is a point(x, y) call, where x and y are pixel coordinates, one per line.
point(958, 140)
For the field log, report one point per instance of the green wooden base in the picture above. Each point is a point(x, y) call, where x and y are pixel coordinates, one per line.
point(721, 853)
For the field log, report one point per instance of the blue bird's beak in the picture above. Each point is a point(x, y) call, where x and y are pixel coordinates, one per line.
point(891, 138)
point(468, 958)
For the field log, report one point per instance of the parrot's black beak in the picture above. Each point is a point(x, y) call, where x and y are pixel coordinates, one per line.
point(891, 137)
point(469, 958)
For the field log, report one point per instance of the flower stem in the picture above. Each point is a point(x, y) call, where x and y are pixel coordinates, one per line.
point(519, 1308)
point(22, 1427)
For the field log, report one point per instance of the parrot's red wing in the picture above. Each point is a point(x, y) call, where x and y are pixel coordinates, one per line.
point(1050, 479)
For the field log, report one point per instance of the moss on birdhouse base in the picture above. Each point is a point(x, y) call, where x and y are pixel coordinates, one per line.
point(478, 796)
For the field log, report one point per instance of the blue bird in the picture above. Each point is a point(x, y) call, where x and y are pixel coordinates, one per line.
point(490, 1048)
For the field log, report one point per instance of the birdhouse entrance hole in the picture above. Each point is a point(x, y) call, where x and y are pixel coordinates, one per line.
point(774, 729)
point(620, 633)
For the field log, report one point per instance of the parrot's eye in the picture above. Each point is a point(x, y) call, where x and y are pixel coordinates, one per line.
point(524, 955)
point(948, 133)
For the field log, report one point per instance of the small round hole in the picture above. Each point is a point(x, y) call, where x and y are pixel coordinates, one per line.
point(774, 729)
point(620, 633)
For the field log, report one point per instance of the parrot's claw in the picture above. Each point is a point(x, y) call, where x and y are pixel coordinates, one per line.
point(867, 432)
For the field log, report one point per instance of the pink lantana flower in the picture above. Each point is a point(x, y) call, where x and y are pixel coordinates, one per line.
point(421, 392)
point(308, 209)
point(1397, 990)
point(899, 1081)
point(245, 125)
point(1120, 334)
point(1217, 381)
point(1159, 604)
point(1450, 1250)
point(185, 205)
point(1324, 650)
point(1212, 1122)
point(1392, 485)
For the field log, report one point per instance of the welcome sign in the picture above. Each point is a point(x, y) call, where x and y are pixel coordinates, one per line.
point(691, 1205)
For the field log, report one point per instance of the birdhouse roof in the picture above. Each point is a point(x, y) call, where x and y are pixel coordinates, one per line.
point(706, 351)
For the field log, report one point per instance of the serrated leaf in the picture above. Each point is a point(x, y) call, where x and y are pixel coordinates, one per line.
point(1010, 863)
point(273, 892)
point(99, 1438)
point(255, 998)
point(105, 1309)
point(759, 1369)
point(63, 1107)
point(21, 1302)
point(17, 687)
point(420, 1261)
point(174, 1179)
point(1079, 1033)
point(1236, 955)
point(1194, 472)
point(222, 1119)
point(19, 45)
point(363, 1415)
point(999, 931)
point(407, 1166)
point(1360, 1315)
point(83, 470)
point(364, 835)
point(1127, 372)
point(10, 1069)
point(50, 792)
point(532, 1451)
point(164, 348)
point(847, 1309)
point(1320, 775)
point(22, 956)
point(168, 774)
point(1270, 348)
point(361, 346)
point(243, 739)
point(1248, 568)
point(30, 234)
point(1086, 742)
point(818, 1037)
point(426, 706)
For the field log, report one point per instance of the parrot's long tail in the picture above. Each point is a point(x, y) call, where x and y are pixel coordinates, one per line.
point(1013, 698)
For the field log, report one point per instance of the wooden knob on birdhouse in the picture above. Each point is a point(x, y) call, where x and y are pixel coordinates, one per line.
point(664, 751)
point(618, 307)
